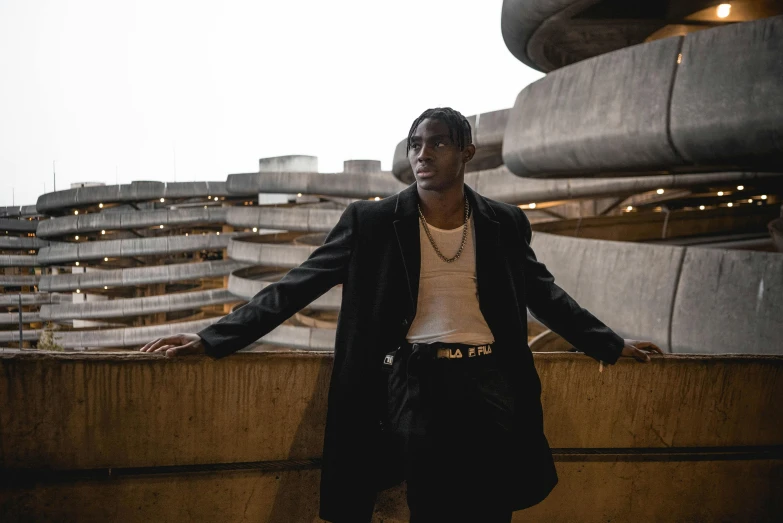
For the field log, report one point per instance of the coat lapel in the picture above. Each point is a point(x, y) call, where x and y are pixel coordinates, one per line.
point(487, 243)
point(406, 227)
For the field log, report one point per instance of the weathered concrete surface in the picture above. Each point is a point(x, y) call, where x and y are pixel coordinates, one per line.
point(684, 299)
point(328, 184)
point(729, 298)
point(13, 280)
point(12, 318)
point(267, 254)
point(119, 411)
point(246, 288)
point(84, 251)
point(638, 110)
point(138, 275)
point(635, 227)
point(628, 286)
point(727, 101)
point(18, 225)
point(608, 113)
point(12, 300)
point(133, 192)
point(129, 307)
point(136, 220)
point(19, 260)
point(21, 243)
point(288, 219)
point(18, 211)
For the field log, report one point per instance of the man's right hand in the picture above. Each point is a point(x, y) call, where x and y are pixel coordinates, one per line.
point(176, 345)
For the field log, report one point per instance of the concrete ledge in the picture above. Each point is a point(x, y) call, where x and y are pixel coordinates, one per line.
point(139, 275)
point(85, 251)
point(328, 184)
point(727, 102)
point(659, 293)
point(288, 219)
point(18, 225)
point(18, 211)
point(118, 410)
point(133, 192)
point(608, 113)
point(729, 299)
point(268, 254)
point(13, 242)
point(129, 307)
point(19, 260)
point(246, 288)
point(136, 220)
point(12, 318)
point(12, 300)
point(10, 280)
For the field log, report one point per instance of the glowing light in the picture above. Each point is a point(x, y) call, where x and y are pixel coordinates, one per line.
point(105, 287)
point(186, 234)
point(679, 58)
point(659, 191)
point(78, 291)
point(763, 196)
point(77, 264)
point(731, 204)
point(75, 213)
point(299, 194)
point(105, 258)
point(255, 229)
point(750, 200)
point(76, 237)
point(161, 226)
point(205, 206)
point(629, 208)
point(701, 207)
point(216, 198)
point(724, 10)
point(103, 231)
point(532, 206)
point(162, 200)
point(218, 233)
point(377, 198)
point(100, 205)
point(209, 197)
point(740, 187)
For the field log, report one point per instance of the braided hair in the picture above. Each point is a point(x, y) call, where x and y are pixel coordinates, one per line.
point(459, 127)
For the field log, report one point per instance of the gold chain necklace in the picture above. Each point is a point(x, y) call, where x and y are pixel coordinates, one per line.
point(464, 234)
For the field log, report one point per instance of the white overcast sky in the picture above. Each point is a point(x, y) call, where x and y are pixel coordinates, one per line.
point(176, 90)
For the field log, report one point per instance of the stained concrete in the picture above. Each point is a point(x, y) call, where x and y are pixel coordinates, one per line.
point(329, 184)
point(247, 288)
point(18, 225)
point(118, 411)
point(131, 220)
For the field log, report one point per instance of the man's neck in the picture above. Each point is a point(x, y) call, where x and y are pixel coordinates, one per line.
point(443, 209)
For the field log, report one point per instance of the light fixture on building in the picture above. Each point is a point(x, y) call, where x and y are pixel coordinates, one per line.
point(701, 207)
point(299, 194)
point(105, 287)
point(78, 291)
point(216, 198)
point(255, 229)
point(161, 225)
point(731, 204)
point(750, 200)
point(218, 233)
point(205, 206)
point(532, 206)
point(162, 200)
point(724, 10)
point(740, 187)
point(659, 191)
point(75, 213)
point(100, 206)
point(105, 258)
point(77, 264)
point(629, 208)
point(377, 198)
point(763, 196)
point(720, 193)
point(186, 234)
point(209, 197)
point(76, 237)
point(679, 58)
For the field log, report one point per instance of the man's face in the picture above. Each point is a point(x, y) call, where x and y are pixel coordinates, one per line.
point(436, 159)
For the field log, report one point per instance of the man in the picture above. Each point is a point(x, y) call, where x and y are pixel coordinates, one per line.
point(433, 380)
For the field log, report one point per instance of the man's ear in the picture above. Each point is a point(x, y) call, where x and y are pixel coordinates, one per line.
point(468, 153)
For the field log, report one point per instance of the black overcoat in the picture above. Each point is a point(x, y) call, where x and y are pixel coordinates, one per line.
point(374, 252)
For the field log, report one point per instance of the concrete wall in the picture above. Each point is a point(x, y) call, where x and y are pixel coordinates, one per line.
point(684, 438)
point(640, 110)
point(331, 184)
point(685, 299)
point(132, 220)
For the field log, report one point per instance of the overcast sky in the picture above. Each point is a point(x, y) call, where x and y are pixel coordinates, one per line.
point(176, 90)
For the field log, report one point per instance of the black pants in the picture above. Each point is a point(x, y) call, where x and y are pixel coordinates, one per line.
point(452, 416)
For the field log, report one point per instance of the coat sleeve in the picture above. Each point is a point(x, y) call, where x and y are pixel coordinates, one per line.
point(325, 268)
point(560, 312)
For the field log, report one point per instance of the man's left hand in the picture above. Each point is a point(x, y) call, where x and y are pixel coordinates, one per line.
point(640, 350)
